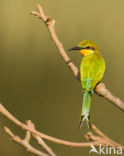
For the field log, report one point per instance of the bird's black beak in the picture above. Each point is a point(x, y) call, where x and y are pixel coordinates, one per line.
point(76, 48)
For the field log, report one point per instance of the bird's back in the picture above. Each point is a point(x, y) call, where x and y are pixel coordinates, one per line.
point(91, 71)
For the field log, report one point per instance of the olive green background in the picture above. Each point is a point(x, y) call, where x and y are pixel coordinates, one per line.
point(36, 84)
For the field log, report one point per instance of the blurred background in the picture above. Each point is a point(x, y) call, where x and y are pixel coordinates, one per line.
point(36, 84)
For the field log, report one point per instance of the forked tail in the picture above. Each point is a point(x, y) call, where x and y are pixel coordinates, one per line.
point(85, 113)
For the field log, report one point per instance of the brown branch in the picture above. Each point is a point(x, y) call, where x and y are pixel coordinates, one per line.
point(112, 143)
point(6, 113)
point(100, 88)
point(25, 143)
point(103, 91)
point(95, 140)
point(40, 140)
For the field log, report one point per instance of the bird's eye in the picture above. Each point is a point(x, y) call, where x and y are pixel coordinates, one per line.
point(88, 47)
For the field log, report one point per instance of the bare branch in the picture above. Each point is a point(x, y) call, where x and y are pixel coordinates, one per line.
point(112, 143)
point(103, 91)
point(96, 140)
point(50, 25)
point(27, 136)
point(100, 88)
point(6, 113)
point(24, 143)
point(40, 140)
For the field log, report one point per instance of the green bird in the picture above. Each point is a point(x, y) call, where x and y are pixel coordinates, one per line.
point(91, 72)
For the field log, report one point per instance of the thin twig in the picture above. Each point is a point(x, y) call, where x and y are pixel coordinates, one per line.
point(113, 143)
point(100, 88)
point(40, 140)
point(24, 143)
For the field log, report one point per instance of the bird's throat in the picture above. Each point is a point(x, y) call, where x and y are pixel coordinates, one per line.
point(86, 52)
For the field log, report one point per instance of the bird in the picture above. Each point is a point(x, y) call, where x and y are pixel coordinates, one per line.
point(92, 69)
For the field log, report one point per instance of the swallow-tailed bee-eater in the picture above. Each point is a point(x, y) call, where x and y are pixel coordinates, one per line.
point(91, 72)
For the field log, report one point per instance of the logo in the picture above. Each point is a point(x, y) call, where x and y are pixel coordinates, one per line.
point(105, 150)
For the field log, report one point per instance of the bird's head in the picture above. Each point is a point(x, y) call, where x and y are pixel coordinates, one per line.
point(86, 47)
